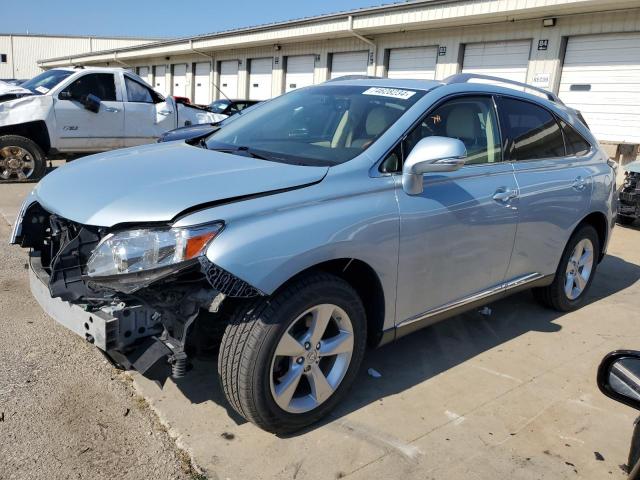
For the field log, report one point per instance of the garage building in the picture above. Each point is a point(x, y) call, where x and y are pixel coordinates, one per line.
point(587, 51)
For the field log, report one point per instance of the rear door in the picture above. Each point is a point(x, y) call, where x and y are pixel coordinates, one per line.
point(80, 130)
point(147, 114)
point(554, 183)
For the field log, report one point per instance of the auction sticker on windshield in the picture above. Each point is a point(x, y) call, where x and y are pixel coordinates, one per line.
point(42, 90)
point(389, 92)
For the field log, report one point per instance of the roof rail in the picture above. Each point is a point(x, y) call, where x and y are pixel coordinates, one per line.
point(465, 77)
point(353, 77)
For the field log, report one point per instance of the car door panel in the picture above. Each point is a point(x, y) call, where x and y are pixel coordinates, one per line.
point(80, 130)
point(147, 115)
point(455, 238)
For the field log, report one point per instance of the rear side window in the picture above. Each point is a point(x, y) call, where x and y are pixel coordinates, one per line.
point(533, 132)
point(102, 85)
point(576, 145)
point(136, 92)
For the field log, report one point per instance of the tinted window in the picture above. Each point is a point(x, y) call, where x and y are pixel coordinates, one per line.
point(576, 145)
point(323, 125)
point(471, 120)
point(533, 131)
point(99, 84)
point(137, 92)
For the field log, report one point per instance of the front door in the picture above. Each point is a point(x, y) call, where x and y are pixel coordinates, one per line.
point(554, 180)
point(81, 130)
point(456, 238)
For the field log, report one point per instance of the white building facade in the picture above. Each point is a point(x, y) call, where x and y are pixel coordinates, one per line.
point(19, 53)
point(587, 51)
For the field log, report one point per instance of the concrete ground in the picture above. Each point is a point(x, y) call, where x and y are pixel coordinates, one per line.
point(509, 395)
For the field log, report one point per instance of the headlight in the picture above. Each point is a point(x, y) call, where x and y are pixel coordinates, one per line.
point(150, 252)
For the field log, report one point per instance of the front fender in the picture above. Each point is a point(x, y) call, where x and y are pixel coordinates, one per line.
point(269, 240)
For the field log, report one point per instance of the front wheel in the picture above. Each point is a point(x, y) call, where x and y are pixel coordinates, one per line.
point(21, 159)
point(287, 360)
point(575, 272)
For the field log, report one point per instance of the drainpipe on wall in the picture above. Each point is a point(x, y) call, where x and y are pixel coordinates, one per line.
point(213, 65)
point(364, 39)
point(13, 60)
point(115, 59)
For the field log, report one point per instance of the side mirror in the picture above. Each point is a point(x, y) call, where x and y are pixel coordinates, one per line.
point(619, 377)
point(91, 102)
point(431, 154)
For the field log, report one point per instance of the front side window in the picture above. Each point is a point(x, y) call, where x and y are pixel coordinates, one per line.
point(534, 133)
point(102, 85)
point(219, 106)
point(472, 120)
point(42, 83)
point(324, 125)
point(138, 93)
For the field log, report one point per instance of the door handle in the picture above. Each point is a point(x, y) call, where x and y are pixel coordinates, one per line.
point(505, 194)
point(580, 183)
point(165, 112)
point(111, 109)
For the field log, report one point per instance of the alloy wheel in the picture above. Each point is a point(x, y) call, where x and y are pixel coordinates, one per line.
point(579, 268)
point(16, 162)
point(311, 358)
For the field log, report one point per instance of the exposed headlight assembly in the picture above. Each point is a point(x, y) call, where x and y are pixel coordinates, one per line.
point(132, 259)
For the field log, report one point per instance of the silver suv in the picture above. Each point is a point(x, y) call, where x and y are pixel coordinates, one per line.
point(332, 217)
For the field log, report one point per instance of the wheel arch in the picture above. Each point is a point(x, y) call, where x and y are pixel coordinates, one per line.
point(36, 131)
point(365, 281)
point(597, 220)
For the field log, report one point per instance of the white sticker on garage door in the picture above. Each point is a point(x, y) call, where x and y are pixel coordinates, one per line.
point(389, 92)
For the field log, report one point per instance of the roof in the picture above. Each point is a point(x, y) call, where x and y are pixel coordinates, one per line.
point(96, 37)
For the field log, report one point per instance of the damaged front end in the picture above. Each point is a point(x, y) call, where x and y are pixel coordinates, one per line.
point(629, 194)
point(133, 293)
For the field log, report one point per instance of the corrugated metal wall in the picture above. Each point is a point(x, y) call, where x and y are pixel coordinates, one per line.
point(24, 51)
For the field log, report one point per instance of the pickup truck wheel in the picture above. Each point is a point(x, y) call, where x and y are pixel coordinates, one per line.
point(21, 159)
point(575, 272)
point(287, 360)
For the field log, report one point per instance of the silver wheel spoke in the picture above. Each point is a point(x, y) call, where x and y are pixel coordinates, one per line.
point(320, 388)
point(580, 281)
point(585, 258)
point(341, 343)
point(289, 347)
point(5, 174)
point(568, 286)
point(288, 385)
point(21, 174)
point(321, 316)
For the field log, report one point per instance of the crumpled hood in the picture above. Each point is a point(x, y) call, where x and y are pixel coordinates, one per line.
point(11, 92)
point(155, 183)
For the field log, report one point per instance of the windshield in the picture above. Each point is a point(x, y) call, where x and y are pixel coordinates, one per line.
point(44, 82)
point(219, 106)
point(324, 125)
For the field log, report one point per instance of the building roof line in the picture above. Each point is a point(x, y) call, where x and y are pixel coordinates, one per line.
point(97, 37)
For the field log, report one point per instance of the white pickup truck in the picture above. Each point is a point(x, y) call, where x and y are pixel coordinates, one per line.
point(70, 111)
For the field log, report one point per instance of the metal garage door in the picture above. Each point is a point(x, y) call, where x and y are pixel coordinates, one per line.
point(180, 80)
point(160, 81)
point(143, 73)
point(300, 70)
point(260, 78)
point(601, 78)
point(499, 59)
point(201, 91)
point(419, 62)
point(229, 78)
point(349, 63)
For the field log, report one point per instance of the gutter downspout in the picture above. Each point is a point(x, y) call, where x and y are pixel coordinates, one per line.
point(365, 40)
point(115, 59)
point(213, 66)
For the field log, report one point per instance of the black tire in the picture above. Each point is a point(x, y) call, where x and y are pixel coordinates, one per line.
point(34, 151)
point(553, 296)
point(250, 340)
point(625, 220)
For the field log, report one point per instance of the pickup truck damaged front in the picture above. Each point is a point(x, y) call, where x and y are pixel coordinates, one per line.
point(137, 322)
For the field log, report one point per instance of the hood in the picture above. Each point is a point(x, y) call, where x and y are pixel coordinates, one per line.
point(155, 183)
point(11, 92)
point(633, 167)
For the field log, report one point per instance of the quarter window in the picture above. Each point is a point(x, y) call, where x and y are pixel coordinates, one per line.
point(101, 85)
point(576, 145)
point(471, 120)
point(533, 132)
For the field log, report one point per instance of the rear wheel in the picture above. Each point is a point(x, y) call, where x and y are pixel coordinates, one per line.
point(575, 272)
point(286, 361)
point(21, 159)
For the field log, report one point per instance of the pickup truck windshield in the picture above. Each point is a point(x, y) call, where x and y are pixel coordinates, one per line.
point(324, 125)
point(41, 84)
